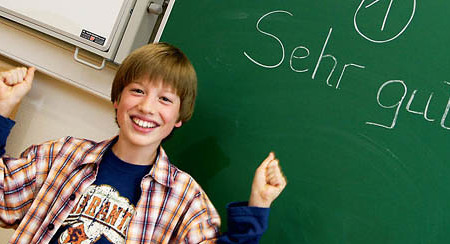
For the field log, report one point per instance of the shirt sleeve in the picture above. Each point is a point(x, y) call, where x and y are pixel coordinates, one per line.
point(6, 125)
point(200, 223)
point(245, 224)
point(18, 177)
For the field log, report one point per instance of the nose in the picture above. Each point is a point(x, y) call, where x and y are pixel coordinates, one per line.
point(147, 105)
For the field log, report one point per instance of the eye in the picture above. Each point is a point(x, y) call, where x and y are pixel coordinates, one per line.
point(137, 91)
point(165, 99)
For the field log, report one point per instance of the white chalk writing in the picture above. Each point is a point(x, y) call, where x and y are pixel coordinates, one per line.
point(396, 107)
point(357, 23)
point(301, 52)
point(295, 56)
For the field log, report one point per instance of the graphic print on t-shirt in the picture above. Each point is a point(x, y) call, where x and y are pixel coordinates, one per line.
point(101, 211)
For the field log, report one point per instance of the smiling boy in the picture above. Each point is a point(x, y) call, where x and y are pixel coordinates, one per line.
point(146, 113)
point(123, 189)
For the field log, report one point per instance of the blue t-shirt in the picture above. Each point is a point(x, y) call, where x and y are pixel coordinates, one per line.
point(104, 211)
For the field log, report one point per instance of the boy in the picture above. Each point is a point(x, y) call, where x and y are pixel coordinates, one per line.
point(124, 189)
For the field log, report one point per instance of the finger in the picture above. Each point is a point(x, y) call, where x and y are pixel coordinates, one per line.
point(283, 180)
point(275, 181)
point(278, 172)
point(272, 166)
point(266, 161)
point(17, 75)
point(30, 72)
point(282, 175)
point(9, 78)
point(272, 177)
point(23, 73)
point(13, 76)
point(3, 81)
point(275, 178)
point(30, 75)
point(271, 171)
point(28, 79)
point(20, 75)
point(276, 167)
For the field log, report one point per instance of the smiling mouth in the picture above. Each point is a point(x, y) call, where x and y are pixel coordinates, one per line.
point(144, 124)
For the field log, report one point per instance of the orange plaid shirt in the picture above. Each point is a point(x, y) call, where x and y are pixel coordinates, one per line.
point(39, 190)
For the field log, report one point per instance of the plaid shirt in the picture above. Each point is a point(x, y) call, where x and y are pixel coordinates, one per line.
point(39, 190)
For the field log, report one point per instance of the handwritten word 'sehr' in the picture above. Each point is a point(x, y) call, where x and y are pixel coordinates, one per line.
point(300, 53)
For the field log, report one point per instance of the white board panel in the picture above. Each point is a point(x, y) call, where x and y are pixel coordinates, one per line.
point(97, 18)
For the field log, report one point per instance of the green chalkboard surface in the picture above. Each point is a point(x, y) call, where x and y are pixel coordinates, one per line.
point(352, 96)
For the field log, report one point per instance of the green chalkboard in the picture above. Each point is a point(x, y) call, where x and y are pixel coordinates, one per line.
point(352, 96)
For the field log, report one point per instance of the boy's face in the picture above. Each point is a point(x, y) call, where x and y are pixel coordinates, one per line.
point(147, 112)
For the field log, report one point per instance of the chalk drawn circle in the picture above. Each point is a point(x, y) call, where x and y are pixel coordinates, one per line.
point(385, 40)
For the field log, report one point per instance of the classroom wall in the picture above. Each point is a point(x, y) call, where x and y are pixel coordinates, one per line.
point(54, 109)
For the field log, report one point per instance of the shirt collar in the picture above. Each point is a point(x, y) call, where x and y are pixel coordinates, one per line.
point(96, 151)
point(162, 170)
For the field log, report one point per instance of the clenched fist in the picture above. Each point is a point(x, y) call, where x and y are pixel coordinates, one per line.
point(14, 85)
point(268, 182)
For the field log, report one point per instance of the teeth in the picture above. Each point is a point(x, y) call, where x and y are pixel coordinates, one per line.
point(144, 124)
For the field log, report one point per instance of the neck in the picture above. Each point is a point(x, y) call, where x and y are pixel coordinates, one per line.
point(134, 154)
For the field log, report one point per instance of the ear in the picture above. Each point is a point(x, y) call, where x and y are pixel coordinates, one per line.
point(115, 104)
point(178, 124)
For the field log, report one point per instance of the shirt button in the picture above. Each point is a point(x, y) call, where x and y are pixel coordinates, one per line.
point(51, 226)
point(72, 197)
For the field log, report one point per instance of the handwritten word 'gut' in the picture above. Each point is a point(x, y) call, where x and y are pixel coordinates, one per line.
point(396, 107)
point(301, 52)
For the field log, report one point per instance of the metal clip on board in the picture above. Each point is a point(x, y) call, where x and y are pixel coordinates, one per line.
point(155, 8)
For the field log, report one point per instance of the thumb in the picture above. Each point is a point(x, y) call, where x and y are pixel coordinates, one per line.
point(24, 86)
point(3, 80)
point(30, 74)
point(28, 79)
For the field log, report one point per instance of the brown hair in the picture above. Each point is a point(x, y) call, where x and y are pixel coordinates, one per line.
point(160, 61)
